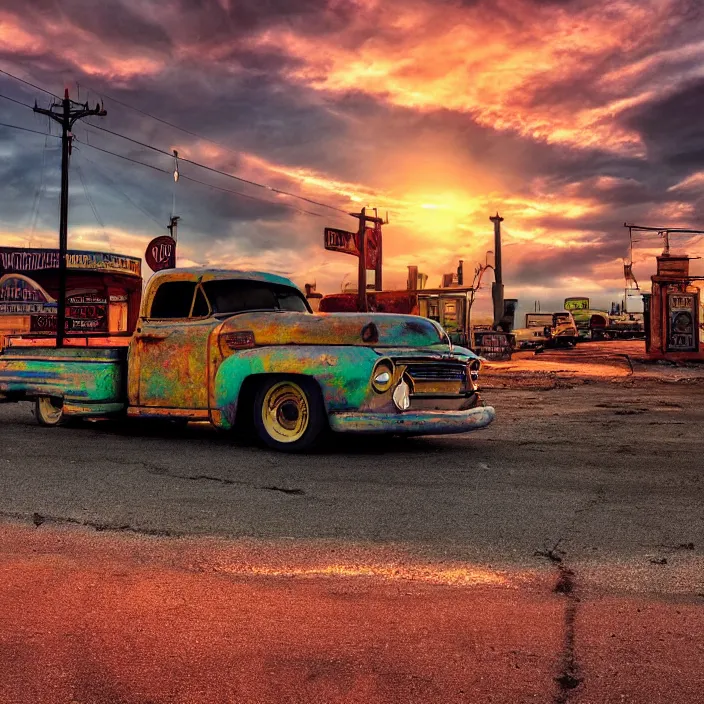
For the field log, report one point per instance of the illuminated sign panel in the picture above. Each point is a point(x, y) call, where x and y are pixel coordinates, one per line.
point(19, 295)
point(29, 260)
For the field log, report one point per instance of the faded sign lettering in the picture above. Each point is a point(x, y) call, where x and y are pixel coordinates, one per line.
point(21, 260)
point(20, 295)
point(161, 253)
point(682, 323)
point(341, 241)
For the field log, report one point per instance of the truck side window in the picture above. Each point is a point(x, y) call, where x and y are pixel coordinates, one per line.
point(173, 299)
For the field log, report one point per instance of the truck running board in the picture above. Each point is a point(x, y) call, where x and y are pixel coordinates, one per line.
point(197, 414)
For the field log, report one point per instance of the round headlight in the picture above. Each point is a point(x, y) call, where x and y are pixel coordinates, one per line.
point(382, 377)
point(473, 374)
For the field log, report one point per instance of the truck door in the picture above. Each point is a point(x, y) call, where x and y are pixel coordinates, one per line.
point(171, 348)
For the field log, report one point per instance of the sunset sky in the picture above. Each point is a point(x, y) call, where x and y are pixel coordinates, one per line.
point(568, 117)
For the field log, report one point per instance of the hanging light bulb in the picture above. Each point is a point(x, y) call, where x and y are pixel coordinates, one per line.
point(175, 166)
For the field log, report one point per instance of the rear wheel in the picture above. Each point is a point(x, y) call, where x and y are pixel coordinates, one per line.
point(289, 414)
point(49, 410)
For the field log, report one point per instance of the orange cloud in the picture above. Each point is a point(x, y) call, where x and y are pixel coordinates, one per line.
point(549, 81)
point(85, 51)
point(475, 61)
point(14, 39)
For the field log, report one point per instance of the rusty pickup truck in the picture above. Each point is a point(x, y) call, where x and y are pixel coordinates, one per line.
point(243, 351)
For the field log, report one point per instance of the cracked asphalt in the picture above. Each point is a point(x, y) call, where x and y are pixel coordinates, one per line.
point(556, 556)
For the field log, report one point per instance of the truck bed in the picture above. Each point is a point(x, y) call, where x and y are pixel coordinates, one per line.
point(73, 341)
point(90, 380)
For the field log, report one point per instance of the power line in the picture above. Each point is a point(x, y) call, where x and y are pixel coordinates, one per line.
point(244, 195)
point(120, 191)
point(89, 199)
point(21, 80)
point(165, 122)
point(218, 171)
point(27, 129)
point(14, 100)
point(38, 195)
point(202, 183)
point(126, 158)
point(188, 161)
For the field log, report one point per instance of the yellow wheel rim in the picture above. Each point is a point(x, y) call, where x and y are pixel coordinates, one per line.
point(50, 413)
point(285, 412)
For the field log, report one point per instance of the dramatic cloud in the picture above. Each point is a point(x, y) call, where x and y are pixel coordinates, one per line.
point(569, 117)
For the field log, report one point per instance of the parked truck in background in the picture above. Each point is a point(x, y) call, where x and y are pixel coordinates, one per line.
point(547, 330)
point(595, 324)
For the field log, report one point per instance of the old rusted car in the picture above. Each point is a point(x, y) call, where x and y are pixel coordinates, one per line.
point(244, 351)
point(547, 330)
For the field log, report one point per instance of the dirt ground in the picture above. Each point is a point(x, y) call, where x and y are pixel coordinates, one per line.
point(555, 557)
point(588, 362)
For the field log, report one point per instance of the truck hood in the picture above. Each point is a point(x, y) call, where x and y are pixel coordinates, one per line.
point(378, 330)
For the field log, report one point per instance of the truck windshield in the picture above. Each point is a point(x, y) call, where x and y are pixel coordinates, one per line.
point(237, 296)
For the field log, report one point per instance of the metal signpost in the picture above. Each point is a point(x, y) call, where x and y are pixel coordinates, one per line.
point(366, 245)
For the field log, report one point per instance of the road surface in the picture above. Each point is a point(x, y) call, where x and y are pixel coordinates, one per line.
point(554, 557)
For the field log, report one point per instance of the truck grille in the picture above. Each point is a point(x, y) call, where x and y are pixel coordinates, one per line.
point(437, 372)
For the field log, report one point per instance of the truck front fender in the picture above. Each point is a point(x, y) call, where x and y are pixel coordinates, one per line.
point(343, 374)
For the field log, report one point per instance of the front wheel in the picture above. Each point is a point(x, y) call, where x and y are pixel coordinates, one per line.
point(289, 414)
point(49, 410)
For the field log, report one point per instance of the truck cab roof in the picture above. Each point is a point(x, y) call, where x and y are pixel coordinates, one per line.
point(198, 273)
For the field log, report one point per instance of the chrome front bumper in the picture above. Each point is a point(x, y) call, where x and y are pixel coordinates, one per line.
point(415, 422)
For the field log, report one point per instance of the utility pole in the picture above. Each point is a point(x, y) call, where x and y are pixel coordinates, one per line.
point(71, 111)
point(497, 289)
point(362, 246)
point(362, 271)
point(173, 226)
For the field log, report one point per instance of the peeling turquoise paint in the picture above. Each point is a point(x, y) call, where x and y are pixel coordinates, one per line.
point(85, 375)
point(343, 374)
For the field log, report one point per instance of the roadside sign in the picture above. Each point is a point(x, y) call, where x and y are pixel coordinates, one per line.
point(341, 241)
point(161, 253)
point(372, 247)
point(365, 245)
point(23, 260)
point(20, 295)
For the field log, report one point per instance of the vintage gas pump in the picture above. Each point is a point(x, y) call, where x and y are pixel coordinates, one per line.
point(674, 311)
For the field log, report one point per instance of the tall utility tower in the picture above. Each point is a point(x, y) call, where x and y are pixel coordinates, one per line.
point(71, 111)
point(497, 288)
